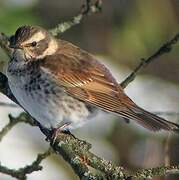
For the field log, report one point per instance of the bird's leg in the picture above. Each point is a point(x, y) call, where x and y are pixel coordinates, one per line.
point(67, 131)
point(56, 131)
point(61, 129)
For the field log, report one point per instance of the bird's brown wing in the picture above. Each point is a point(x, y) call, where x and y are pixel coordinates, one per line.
point(84, 78)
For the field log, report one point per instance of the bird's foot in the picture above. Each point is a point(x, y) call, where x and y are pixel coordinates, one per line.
point(57, 131)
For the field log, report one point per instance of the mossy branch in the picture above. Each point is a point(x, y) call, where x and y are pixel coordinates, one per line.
point(21, 173)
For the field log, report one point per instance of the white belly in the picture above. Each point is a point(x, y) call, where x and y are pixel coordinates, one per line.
point(49, 109)
point(42, 99)
point(36, 107)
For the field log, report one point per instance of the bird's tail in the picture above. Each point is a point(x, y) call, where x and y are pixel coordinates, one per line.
point(149, 120)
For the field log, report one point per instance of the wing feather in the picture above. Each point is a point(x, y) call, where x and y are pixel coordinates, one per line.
point(86, 79)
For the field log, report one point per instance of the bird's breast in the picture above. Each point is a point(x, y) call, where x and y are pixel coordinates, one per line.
point(46, 101)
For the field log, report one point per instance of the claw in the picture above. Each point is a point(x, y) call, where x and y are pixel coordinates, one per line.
point(56, 131)
point(54, 136)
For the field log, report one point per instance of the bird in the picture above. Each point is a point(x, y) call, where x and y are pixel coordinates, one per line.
point(62, 86)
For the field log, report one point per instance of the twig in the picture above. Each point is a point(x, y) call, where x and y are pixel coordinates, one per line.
point(88, 8)
point(74, 151)
point(11, 105)
point(158, 171)
point(13, 121)
point(77, 153)
point(4, 44)
point(21, 173)
point(166, 48)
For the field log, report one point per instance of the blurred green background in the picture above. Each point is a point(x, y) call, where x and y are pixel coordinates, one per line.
point(125, 32)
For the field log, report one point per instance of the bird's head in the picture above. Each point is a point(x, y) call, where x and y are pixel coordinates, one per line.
point(35, 42)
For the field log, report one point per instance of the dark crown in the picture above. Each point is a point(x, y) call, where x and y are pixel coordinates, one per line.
point(25, 32)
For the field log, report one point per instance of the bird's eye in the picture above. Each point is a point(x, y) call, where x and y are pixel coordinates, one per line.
point(34, 43)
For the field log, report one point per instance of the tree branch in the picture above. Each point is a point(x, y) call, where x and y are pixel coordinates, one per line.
point(21, 173)
point(158, 171)
point(11, 105)
point(165, 48)
point(77, 153)
point(86, 9)
point(13, 121)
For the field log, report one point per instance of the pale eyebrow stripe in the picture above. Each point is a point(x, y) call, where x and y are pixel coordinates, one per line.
point(36, 37)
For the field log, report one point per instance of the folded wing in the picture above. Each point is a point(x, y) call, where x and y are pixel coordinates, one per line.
point(86, 79)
